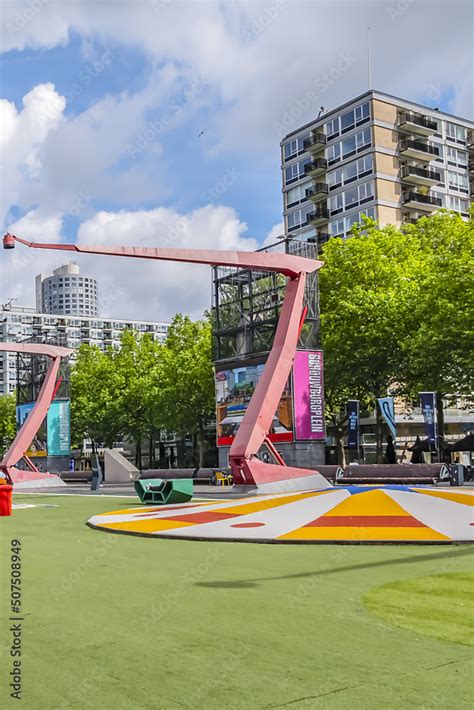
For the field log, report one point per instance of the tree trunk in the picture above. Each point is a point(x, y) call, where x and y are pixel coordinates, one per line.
point(440, 425)
point(201, 444)
point(151, 453)
point(138, 455)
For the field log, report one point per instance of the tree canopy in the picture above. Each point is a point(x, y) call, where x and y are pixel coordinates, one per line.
point(396, 311)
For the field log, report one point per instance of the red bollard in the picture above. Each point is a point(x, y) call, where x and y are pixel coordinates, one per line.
point(5, 499)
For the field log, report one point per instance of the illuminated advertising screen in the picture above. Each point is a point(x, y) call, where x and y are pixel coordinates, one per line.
point(234, 389)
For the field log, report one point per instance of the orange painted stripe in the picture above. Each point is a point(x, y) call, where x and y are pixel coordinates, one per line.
point(371, 521)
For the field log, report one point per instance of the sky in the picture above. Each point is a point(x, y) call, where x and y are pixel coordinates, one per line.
point(158, 122)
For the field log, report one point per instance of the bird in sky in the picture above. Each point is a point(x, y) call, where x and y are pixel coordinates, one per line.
point(202, 132)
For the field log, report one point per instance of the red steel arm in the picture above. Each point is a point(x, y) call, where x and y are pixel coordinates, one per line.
point(36, 417)
point(258, 418)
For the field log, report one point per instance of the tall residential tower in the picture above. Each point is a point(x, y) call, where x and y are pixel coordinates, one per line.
point(378, 155)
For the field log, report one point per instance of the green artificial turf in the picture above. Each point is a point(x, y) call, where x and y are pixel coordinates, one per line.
point(439, 606)
point(116, 621)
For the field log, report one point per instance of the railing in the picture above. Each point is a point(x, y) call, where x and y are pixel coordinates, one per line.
point(320, 188)
point(321, 213)
point(423, 121)
point(314, 139)
point(424, 199)
point(421, 172)
point(419, 145)
point(319, 164)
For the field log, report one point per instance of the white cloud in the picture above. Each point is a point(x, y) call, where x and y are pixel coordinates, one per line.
point(132, 288)
point(24, 134)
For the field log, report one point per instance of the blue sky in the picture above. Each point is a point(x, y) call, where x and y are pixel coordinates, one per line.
point(103, 105)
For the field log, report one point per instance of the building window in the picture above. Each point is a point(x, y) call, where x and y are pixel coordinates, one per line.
point(298, 218)
point(349, 120)
point(336, 204)
point(458, 181)
point(355, 170)
point(294, 147)
point(456, 133)
point(456, 157)
point(458, 204)
point(297, 195)
point(296, 171)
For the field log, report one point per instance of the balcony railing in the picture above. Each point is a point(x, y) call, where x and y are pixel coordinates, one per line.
point(423, 199)
point(320, 189)
point(407, 117)
point(315, 141)
point(319, 215)
point(419, 146)
point(318, 165)
point(425, 173)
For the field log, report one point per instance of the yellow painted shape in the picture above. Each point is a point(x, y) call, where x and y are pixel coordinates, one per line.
point(153, 509)
point(464, 498)
point(373, 502)
point(352, 534)
point(260, 506)
point(150, 525)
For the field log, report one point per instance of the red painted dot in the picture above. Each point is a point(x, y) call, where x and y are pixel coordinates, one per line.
point(247, 525)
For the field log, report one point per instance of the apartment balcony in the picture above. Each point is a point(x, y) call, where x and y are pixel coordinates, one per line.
point(471, 166)
point(418, 201)
point(315, 143)
point(418, 150)
point(319, 216)
point(317, 192)
point(470, 139)
point(417, 123)
point(316, 167)
point(413, 175)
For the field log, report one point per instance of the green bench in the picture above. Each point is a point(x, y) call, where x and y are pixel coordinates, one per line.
point(160, 492)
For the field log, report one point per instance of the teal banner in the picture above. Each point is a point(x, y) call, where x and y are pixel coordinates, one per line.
point(59, 428)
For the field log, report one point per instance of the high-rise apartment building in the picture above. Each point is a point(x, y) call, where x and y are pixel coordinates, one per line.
point(67, 292)
point(17, 324)
point(378, 155)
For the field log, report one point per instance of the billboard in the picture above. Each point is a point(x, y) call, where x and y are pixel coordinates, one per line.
point(234, 389)
point(59, 429)
point(308, 395)
point(54, 436)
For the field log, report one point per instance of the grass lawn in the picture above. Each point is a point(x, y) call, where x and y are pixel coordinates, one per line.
point(115, 621)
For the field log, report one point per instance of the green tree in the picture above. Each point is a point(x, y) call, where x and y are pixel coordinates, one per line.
point(139, 373)
point(7, 421)
point(188, 395)
point(94, 393)
point(438, 353)
point(367, 287)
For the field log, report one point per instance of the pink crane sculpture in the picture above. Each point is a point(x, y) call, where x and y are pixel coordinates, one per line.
point(246, 468)
point(28, 431)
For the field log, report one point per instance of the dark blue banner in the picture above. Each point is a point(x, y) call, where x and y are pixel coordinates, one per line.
point(428, 408)
point(353, 424)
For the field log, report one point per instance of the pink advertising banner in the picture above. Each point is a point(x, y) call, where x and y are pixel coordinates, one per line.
point(308, 395)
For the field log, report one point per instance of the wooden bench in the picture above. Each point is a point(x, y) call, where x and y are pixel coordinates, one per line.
point(403, 473)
